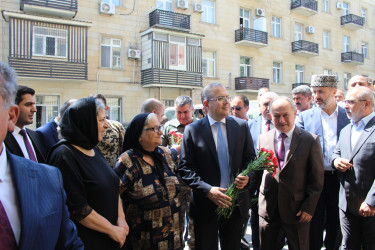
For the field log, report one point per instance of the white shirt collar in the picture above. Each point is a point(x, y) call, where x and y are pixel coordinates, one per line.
point(364, 120)
point(288, 134)
point(212, 121)
point(3, 163)
point(335, 113)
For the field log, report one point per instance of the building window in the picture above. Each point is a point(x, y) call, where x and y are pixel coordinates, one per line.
point(47, 107)
point(177, 51)
point(111, 53)
point(299, 74)
point(168, 103)
point(345, 8)
point(245, 66)
point(114, 111)
point(208, 63)
point(244, 18)
point(326, 5)
point(276, 72)
point(208, 14)
point(364, 15)
point(297, 31)
point(327, 72)
point(49, 42)
point(365, 50)
point(260, 23)
point(276, 26)
point(115, 2)
point(347, 77)
point(326, 39)
point(346, 44)
point(164, 5)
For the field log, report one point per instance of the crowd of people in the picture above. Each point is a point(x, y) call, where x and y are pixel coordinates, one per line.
point(82, 181)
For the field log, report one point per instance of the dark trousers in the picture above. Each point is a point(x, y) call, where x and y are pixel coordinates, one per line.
point(327, 215)
point(254, 223)
point(358, 232)
point(228, 230)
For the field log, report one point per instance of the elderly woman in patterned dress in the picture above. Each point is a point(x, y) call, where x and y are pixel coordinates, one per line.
point(149, 187)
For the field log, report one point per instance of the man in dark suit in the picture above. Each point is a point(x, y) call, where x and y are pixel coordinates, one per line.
point(287, 201)
point(32, 199)
point(214, 150)
point(22, 141)
point(354, 158)
point(325, 120)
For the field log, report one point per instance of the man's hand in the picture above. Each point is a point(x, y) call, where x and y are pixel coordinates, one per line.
point(304, 217)
point(342, 164)
point(217, 196)
point(241, 181)
point(366, 210)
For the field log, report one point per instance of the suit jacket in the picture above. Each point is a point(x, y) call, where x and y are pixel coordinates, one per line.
point(12, 145)
point(199, 165)
point(48, 136)
point(255, 127)
point(311, 121)
point(357, 184)
point(45, 222)
point(298, 185)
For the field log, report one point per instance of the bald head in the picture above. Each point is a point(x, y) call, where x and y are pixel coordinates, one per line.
point(359, 102)
point(155, 106)
point(358, 80)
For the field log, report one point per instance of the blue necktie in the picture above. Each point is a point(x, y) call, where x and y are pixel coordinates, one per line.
point(222, 153)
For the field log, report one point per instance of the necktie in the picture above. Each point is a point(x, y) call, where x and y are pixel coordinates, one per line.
point(268, 125)
point(222, 152)
point(7, 239)
point(29, 148)
point(281, 150)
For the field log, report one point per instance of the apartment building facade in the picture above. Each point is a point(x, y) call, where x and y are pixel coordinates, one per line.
point(131, 50)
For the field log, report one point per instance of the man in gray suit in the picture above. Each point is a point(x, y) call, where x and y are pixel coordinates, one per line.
point(354, 158)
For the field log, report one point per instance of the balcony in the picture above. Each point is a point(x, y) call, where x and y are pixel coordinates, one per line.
point(250, 37)
point(352, 22)
point(155, 77)
point(304, 7)
point(305, 48)
point(56, 8)
point(294, 85)
point(169, 20)
point(250, 84)
point(353, 58)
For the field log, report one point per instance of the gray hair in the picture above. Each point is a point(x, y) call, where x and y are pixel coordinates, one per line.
point(303, 90)
point(364, 93)
point(151, 104)
point(268, 95)
point(183, 100)
point(66, 105)
point(206, 92)
point(99, 106)
point(148, 118)
point(283, 98)
point(8, 84)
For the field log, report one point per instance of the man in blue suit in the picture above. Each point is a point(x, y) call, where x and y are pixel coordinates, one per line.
point(32, 199)
point(214, 150)
point(325, 120)
point(354, 158)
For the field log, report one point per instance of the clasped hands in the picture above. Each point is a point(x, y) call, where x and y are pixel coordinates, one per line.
point(217, 196)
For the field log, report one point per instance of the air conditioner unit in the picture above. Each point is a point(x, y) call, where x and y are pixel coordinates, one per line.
point(259, 12)
point(310, 29)
point(339, 6)
point(197, 7)
point(182, 4)
point(134, 53)
point(107, 8)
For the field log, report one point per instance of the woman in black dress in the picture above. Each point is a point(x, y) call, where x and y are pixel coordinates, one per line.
point(91, 185)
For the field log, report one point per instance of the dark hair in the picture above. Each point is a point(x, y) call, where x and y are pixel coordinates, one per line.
point(21, 91)
point(244, 99)
point(99, 96)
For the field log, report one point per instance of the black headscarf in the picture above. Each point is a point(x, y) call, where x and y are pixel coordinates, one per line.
point(131, 141)
point(79, 125)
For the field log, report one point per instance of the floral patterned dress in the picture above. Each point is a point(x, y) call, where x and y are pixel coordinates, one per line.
point(152, 209)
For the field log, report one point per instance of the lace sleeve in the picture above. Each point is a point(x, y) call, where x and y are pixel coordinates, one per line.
point(81, 213)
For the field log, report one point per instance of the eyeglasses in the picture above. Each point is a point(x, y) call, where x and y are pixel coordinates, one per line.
point(237, 108)
point(156, 129)
point(221, 98)
point(352, 102)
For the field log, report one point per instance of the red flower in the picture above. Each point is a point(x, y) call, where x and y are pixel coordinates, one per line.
point(275, 162)
point(274, 171)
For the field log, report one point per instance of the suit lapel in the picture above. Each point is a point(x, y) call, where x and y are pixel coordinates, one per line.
point(25, 182)
point(209, 139)
point(12, 145)
point(35, 141)
point(369, 129)
point(230, 139)
point(342, 121)
point(293, 145)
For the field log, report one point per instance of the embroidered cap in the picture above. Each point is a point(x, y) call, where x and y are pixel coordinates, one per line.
point(324, 81)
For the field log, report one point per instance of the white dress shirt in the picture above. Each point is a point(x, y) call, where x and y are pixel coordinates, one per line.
point(329, 124)
point(214, 129)
point(287, 141)
point(21, 142)
point(357, 129)
point(8, 195)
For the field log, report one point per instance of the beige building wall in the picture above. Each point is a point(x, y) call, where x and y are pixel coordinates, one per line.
point(127, 25)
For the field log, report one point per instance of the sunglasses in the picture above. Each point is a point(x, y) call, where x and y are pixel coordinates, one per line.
point(237, 108)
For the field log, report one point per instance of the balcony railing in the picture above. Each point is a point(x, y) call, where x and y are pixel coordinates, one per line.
point(71, 5)
point(352, 22)
point(169, 19)
point(352, 57)
point(304, 7)
point(305, 48)
point(251, 37)
point(250, 83)
point(294, 85)
point(155, 77)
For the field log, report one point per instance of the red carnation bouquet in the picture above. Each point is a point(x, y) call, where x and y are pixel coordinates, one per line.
point(265, 160)
point(177, 137)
